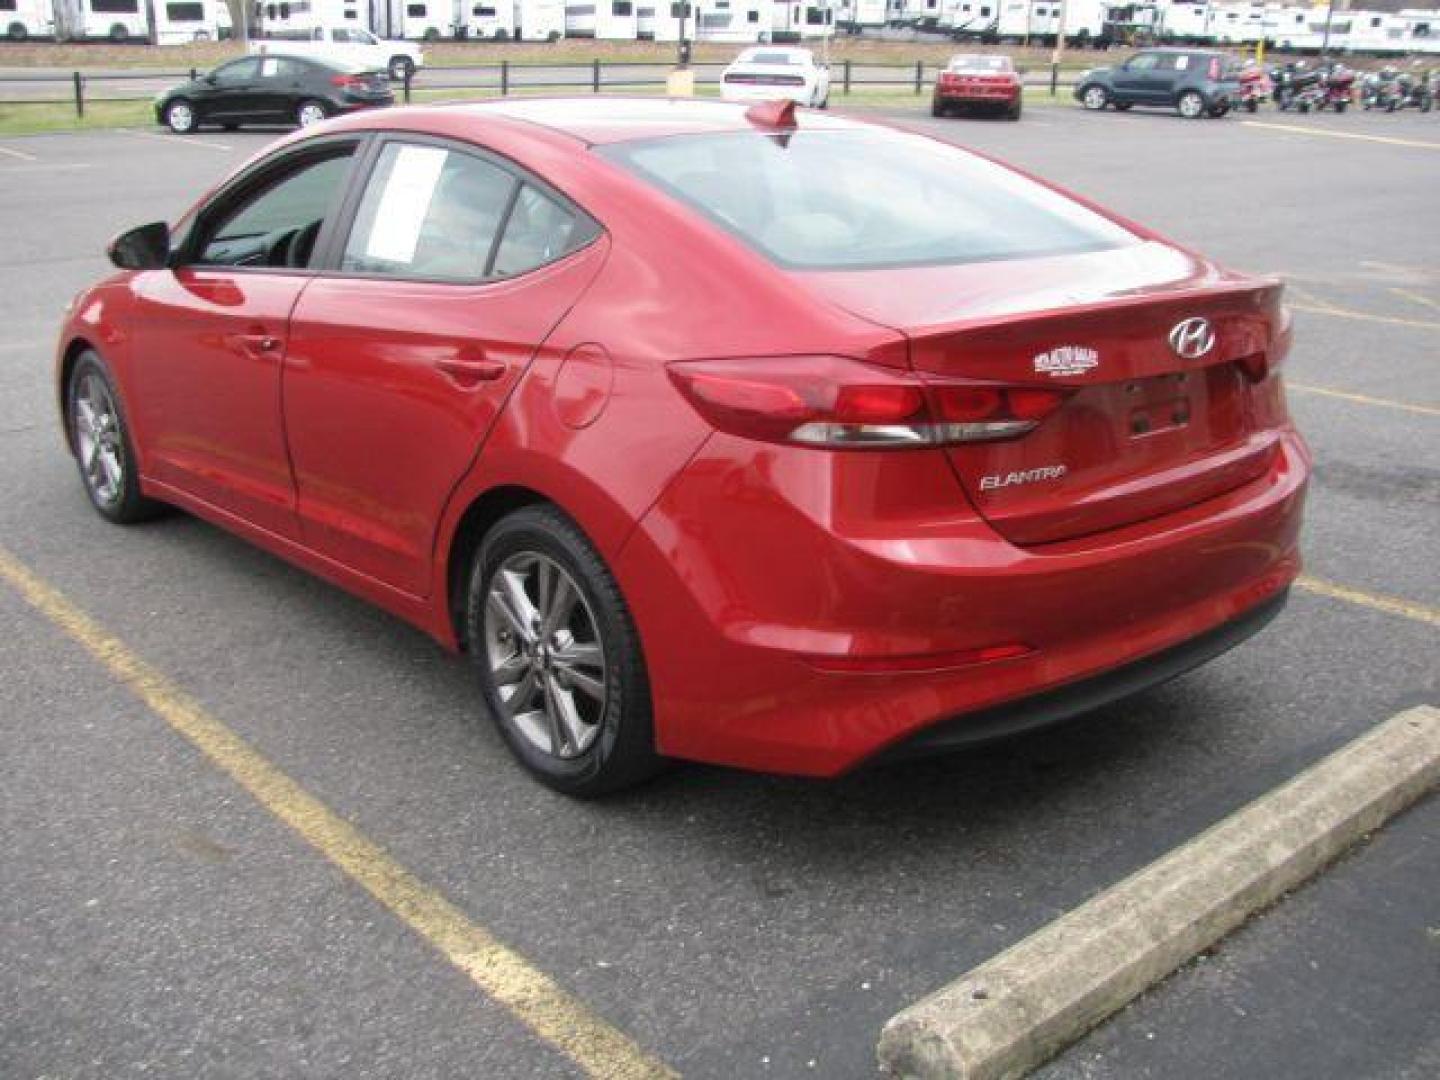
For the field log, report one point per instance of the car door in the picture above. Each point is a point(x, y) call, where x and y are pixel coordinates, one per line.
point(278, 87)
point(453, 270)
point(233, 89)
point(210, 335)
point(1172, 70)
point(1132, 82)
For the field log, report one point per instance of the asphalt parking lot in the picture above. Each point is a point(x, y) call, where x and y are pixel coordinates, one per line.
point(159, 920)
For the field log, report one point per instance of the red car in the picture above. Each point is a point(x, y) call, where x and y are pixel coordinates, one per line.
point(698, 447)
point(978, 81)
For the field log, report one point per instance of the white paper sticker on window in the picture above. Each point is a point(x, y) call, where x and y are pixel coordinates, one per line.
point(268, 67)
point(1182, 62)
point(406, 201)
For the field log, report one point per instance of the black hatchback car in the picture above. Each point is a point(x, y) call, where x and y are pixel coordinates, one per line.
point(1193, 82)
point(270, 90)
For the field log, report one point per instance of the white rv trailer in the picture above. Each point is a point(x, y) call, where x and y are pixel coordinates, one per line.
point(427, 20)
point(1185, 23)
point(488, 20)
point(288, 16)
point(116, 20)
point(1237, 24)
point(179, 21)
point(1039, 20)
point(853, 16)
point(608, 20)
point(974, 18)
point(795, 20)
point(1375, 32)
point(539, 20)
point(1422, 30)
point(23, 19)
point(741, 22)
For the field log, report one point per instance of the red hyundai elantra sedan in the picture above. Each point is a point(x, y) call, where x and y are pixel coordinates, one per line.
point(770, 439)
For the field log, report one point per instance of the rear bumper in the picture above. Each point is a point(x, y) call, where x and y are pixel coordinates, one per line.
point(1003, 95)
point(745, 92)
point(762, 569)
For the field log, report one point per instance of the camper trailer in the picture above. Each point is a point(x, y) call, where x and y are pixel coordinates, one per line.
point(608, 20)
point(488, 20)
point(282, 18)
point(539, 20)
point(797, 20)
point(180, 21)
point(855, 16)
point(21, 20)
point(113, 20)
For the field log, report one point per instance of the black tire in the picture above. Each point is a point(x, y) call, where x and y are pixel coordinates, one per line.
point(119, 33)
point(1122, 106)
point(1252, 106)
point(16, 32)
point(1014, 111)
point(622, 752)
point(127, 506)
point(937, 109)
point(1341, 106)
point(1217, 111)
point(400, 67)
point(230, 127)
point(1191, 105)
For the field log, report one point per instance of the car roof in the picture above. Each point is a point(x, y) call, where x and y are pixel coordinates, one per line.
point(616, 119)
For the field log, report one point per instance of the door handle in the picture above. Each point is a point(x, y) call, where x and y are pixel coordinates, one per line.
point(471, 370)
point(260, 343)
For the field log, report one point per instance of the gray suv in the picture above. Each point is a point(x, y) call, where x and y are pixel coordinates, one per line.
point(1193, 82)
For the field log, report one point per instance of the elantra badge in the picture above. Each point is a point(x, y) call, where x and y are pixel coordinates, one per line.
point(1066, 360)
point(1027, 476)
point(1192, 338)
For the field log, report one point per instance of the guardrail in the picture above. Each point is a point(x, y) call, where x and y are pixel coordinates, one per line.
point(503, 78)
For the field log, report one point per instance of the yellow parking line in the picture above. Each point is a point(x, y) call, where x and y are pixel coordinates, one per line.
point(1364, 316)
point(1363, 399)
point(533, 997)
point(1328, 133)
point(1391, 605)
point(1423, 301)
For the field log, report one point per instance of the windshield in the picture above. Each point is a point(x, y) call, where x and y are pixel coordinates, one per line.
point(980, 63)
point(841, 200)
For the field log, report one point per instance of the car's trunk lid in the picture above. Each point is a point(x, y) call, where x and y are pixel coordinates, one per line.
point(1143, 430)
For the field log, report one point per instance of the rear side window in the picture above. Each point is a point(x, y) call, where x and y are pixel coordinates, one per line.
point(429, 213)
point(840, 200)
point(435, 214)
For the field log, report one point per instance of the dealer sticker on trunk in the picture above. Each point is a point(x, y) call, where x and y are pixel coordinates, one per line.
point(1066, 360)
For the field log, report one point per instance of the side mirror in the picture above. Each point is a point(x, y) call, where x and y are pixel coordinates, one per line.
point(145, 248)
point(211, 79)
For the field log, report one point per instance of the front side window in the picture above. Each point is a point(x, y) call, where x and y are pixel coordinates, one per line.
point(241, 71)
point(807, 200)
point(277, 223)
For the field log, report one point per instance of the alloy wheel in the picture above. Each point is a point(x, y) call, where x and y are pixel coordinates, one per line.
point(1095, 98)
point(98, 442)
point(311, 113)
point(545, 655)
point(180, 117)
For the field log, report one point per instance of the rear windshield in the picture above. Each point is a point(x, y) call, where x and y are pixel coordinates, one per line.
point(980, 63)
point(850, 200)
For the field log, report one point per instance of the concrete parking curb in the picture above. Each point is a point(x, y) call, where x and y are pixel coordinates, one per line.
point(1020, 1008)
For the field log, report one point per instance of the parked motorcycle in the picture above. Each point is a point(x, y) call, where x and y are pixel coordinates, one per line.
point(1337, 89)
point(1255, 87)
point(1414, 91)
point(1295, 85)
point(1381, 90)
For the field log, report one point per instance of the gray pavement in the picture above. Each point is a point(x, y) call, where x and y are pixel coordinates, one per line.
point(735, 925)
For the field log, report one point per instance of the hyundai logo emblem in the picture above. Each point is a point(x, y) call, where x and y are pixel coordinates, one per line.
point(1192, 338)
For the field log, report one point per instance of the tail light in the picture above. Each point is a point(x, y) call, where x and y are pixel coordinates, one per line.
point(831, 401)
point(1214, 69)
point(347, 82)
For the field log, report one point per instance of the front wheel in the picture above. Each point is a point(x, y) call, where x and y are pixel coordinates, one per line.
point(100, 441)
point(558, 656)
point(180, 117)
point(1095, 97)
point(1190, 105)
point(1341, 106)
point(310, 112)
point(1252, 106)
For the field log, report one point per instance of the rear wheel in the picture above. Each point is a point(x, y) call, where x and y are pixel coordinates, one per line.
point(1218, 111)
point(1190, 105)
point(558, 656)
point(101, 443)
point(16, 31)
point(1094, 97)
point(1123, 106)
point(180, 116)
point(938, 109)
point(1252, 106)
point(310, 112)
point(1341, 106)
point(1013, 112)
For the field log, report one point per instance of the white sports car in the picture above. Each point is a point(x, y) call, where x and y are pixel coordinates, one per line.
point(768, 72)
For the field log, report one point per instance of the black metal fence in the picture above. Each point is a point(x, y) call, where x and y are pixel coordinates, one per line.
point(502, 78)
